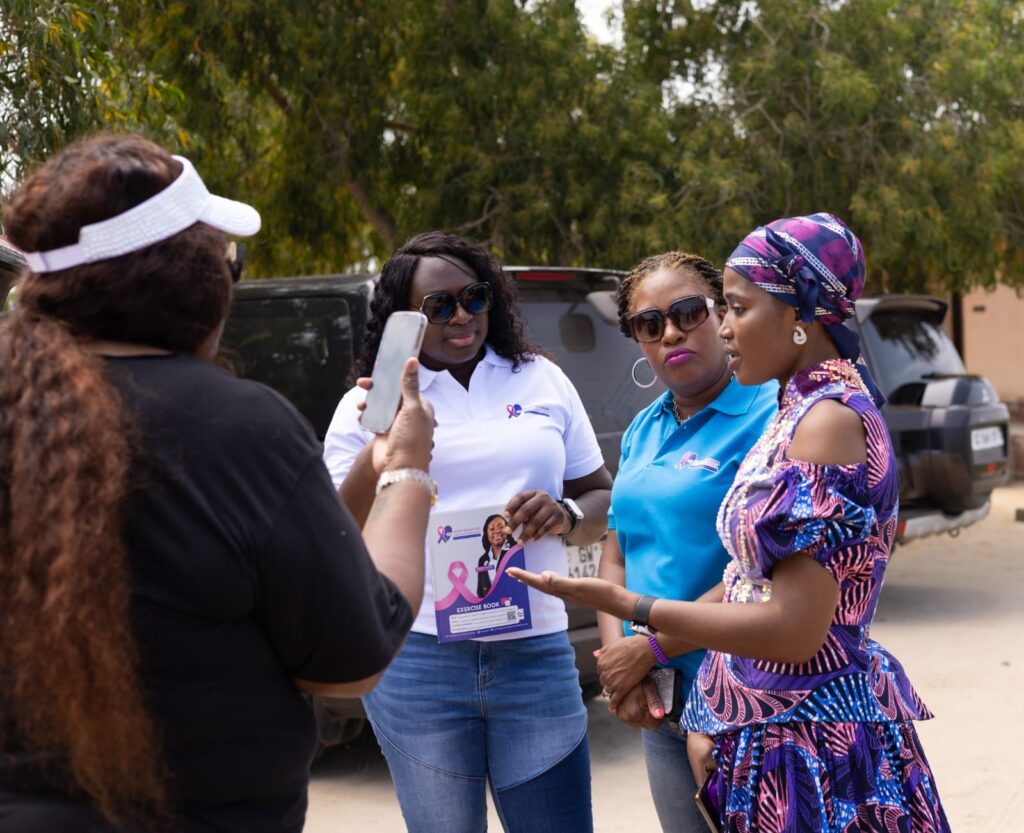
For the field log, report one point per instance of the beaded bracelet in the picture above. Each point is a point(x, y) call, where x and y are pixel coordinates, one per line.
point(658, 653)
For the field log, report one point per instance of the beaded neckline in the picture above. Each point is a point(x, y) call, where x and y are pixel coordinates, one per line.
point(809, 379)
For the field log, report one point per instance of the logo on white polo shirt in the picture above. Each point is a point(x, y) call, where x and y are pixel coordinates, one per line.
point(692, 460)
point(446, 533)
point(516, 410)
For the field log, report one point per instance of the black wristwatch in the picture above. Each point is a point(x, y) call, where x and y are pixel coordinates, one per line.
point(575, 514)
point(638, 622)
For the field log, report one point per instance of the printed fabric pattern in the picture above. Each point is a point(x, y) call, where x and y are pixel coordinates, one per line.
point(828, 778)
point(825, 745)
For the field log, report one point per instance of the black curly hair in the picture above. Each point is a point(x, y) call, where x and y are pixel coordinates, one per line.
point(709, 274)
point(505, 327)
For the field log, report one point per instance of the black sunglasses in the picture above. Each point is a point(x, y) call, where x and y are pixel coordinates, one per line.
point(685, 314)
point(440, 307)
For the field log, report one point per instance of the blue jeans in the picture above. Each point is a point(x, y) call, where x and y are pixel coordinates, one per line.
point(452, 719)
point(671, 781)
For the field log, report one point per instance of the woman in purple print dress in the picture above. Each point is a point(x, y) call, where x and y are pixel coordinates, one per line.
point(812, 721)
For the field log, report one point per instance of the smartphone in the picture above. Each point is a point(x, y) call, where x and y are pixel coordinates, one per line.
point(403, 335)
point(669, 684)
point(709, 800)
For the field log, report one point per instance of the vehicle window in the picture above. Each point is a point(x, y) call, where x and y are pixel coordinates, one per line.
point(907, 348)
point(301, 347)
point(594, 355)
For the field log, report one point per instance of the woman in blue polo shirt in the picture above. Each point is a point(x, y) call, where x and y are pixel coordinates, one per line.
point(679, 456)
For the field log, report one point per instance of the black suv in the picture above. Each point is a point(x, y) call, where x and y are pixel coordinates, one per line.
point(949, 430)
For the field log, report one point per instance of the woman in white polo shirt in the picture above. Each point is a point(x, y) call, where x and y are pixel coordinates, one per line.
point(502, 711)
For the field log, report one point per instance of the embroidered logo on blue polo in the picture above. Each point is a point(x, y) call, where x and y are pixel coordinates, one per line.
point(519, 410)
point(692, 460)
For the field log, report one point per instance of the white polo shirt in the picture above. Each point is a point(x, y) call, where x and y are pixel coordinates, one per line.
point(508, 433)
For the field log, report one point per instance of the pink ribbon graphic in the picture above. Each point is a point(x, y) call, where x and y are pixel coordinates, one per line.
point(457, 575)
point(443, 534)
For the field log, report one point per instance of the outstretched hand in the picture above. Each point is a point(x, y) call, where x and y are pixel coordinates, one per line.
point(587, 592)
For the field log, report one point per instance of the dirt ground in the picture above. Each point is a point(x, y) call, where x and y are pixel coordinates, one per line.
point(952, 611)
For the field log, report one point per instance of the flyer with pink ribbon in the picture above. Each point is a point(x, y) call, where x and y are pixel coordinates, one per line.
point(473, 596)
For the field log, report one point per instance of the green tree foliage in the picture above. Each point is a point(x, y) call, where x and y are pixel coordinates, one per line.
point(352, 124)
point(902, 116)
point(64, 73)
point(355, 124)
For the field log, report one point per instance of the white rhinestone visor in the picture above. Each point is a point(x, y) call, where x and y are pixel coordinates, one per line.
point(181, 204)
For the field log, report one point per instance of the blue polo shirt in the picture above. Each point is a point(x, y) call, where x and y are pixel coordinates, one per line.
point(671, 480)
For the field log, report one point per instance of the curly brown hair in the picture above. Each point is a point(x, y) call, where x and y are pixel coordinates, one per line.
point(684, 263)
point(67, 643)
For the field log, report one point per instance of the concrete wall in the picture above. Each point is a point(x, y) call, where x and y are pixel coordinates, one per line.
point(994, 339)
point(994, 347)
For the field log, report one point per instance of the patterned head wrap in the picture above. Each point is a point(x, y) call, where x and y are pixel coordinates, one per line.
point(815, 264)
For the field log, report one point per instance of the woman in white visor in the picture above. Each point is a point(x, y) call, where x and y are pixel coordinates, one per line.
point(176, 569)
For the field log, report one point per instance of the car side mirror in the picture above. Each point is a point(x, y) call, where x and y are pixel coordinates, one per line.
point(577, 332)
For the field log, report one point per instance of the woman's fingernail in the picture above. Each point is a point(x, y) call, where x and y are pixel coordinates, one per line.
point(659, 712)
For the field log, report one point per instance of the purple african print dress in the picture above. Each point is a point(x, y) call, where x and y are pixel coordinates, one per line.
point(827, 745)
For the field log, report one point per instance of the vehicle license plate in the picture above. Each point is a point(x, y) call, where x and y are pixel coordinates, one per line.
point(583, 560)
point(984, 438)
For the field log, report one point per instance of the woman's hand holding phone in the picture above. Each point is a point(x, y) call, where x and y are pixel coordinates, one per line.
point(640, 707)
point(409, 441)
point(396, 523)
point(623, 665)
point(699, 749)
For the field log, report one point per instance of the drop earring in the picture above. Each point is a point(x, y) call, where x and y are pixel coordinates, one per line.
point(799, 336)
point(632, 373)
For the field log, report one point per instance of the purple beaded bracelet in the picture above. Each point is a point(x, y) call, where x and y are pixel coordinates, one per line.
point(658, 653)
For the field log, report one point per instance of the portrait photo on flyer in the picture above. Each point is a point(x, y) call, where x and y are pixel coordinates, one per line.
point(470, 551)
